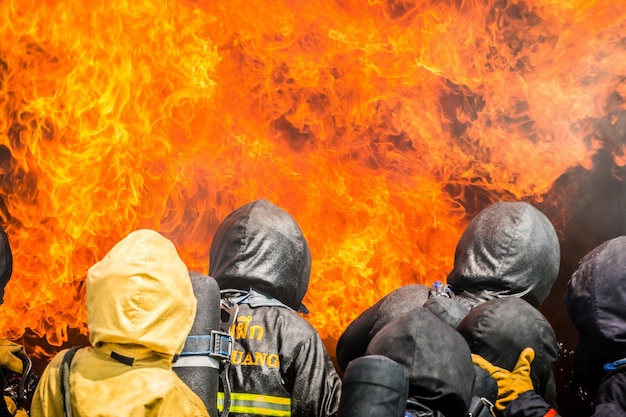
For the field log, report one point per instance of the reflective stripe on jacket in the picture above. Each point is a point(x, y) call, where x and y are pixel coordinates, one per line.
point(256, 404)
point(279, 366)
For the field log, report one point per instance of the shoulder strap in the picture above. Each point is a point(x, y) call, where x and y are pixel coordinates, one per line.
point(65, 381)
point(228, 316)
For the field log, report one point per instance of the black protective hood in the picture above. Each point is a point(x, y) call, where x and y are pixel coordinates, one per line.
point(355, 338)
point(441, 371)
point(6, 262)
point(499, 329)
point(260, 246)
point(595, 299)
point(508, 249)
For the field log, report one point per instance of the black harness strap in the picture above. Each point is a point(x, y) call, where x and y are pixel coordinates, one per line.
point(65, 381)
point(126, 360)
point(229, 311)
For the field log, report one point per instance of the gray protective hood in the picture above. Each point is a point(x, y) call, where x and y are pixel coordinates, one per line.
point(260, 246)
point(508, 249)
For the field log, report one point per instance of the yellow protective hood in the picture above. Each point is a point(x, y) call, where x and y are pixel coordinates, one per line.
point(140, 294)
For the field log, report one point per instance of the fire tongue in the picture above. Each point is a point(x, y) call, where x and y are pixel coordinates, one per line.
point(382, 127)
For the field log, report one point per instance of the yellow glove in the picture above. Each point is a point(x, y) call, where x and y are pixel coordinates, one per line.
point(511, 384)
point(13, 409)
point(10, 405)
point(10, 356)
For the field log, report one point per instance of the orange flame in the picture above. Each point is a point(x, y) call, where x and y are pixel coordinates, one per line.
point(368, 122)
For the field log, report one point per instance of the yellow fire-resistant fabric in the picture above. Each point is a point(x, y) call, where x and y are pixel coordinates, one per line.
point(102, 386)
point(10, 353)
point(141, 293)
point(141, 307)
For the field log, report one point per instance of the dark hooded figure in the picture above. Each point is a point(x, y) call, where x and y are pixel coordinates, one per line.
point(441, 372)
point(16, 371)
point(356, 337)
point(500, 329)
point(374, 385)
point(510, 249)
point(279, 365)
point(6, 262)
point(140, 307)
point(595, 298)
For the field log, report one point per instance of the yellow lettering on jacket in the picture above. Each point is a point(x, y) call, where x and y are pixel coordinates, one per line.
point(273, 361)
point(270, 360)
point(242, 329)
point(236, 357)
point(248, 360)
point(254, 329)
point(259, 358)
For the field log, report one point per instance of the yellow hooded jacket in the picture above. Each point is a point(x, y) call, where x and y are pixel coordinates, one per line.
point(140, 308)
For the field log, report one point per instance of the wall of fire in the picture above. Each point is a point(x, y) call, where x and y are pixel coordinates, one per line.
point(382, 126)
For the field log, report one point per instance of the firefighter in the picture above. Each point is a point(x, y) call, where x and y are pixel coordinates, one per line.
point(439, 363)
point(516, 392)
point(18, 379)
point(595, 297)
point(510, 249)
point(140, 308)
point(356, 337)
point(374, 385)
point(509, 333)
point(279, 364)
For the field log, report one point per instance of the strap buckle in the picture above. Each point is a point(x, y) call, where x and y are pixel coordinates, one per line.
point(221, 345)
point(439, 289)
point(217, 345)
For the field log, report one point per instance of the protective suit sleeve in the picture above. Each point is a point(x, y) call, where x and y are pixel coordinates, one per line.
point(355, 338)
point(529, 404)
point(316, 385)
point(511, 384)
point(611, 396)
